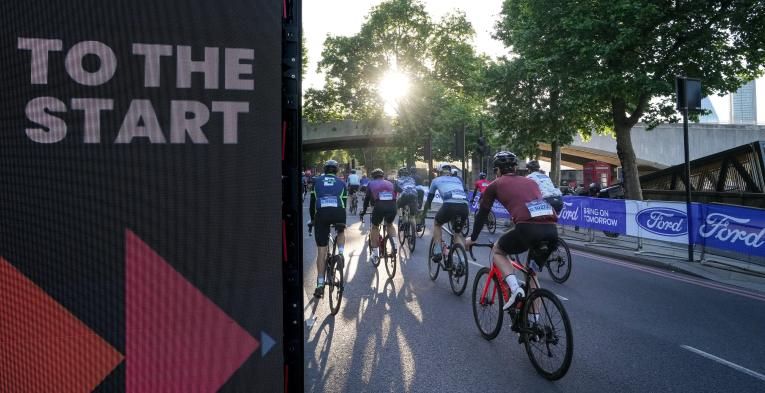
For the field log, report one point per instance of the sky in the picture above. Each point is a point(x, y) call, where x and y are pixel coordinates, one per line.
point(345, 17)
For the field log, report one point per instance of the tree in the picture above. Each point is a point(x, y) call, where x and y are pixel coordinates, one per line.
point(439, 60)
point(624, 55)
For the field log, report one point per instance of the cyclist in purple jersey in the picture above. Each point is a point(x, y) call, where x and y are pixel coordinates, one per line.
point(381, 195)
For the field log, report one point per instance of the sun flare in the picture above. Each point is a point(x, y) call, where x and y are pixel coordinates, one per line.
point(393, 86)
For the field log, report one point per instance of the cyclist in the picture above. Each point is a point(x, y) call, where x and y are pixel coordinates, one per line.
point(327, 208)
point(354, 182)
point(363, 183)
point(382, 196)
point(407, 191)
point(550, 193)
point(455, 204)
point(533, 217)
point(480, 185)
point(418, 182)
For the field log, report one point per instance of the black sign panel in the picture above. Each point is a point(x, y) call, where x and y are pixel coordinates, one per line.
point(140, 192)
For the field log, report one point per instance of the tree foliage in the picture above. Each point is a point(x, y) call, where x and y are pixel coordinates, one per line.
point(618, 58)
point(444, 70)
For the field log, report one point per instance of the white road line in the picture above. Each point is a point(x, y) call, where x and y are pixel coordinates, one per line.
point(561, 297)
point(475, 264)
point(724, 362)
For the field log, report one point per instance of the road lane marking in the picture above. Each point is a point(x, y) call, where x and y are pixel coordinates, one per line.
point(724, 362)
point(561, 297)
point(476, 264)
point(675, 276)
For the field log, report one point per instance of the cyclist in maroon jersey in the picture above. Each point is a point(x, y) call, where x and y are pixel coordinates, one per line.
point(533, 217)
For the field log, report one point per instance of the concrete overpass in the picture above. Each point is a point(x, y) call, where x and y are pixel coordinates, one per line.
point(661, 147)
point(345, 134)
point(656, 149)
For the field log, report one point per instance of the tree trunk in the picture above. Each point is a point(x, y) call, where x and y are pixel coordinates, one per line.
point(627, 157)
point(555, 164)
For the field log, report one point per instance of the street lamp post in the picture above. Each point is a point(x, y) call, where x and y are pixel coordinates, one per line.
point(688, 92)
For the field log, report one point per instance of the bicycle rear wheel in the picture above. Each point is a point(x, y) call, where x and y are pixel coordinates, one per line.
point(411, 235)
point(335, 275)
point(421, 229)
point(548, 340)
point(466, 226)
point(559, 263)
point(458, 276)
point(487, 310)
point(389, 255)
point(402, 229)
point(433, 267)
point(491, 222)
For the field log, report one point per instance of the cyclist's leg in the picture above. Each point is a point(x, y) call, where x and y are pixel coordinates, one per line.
point(390, 217)
point(443, 216)
point(510, 243)
point(322, 239)
point(339, 218)
point(462, 211)
point(374, 232)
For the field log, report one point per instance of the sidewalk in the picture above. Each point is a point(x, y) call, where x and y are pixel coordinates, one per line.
point(674, 258)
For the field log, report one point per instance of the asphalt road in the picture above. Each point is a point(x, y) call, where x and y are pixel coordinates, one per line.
point(635, 329)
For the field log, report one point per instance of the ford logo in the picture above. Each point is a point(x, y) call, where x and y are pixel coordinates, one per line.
point(663, 221)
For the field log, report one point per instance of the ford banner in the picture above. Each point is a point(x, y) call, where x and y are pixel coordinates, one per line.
point(605, 215)
point(572, 211)
point(665, 221)
point(733, 228)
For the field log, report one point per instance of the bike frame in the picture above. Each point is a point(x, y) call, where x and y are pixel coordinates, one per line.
point(495, 272)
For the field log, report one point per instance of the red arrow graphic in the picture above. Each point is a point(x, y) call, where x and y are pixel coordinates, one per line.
point(43, 347)
point(177, 340)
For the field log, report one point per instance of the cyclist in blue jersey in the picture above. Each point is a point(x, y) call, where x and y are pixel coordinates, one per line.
point(328, 200)
point(407, 191)
point(455, 204)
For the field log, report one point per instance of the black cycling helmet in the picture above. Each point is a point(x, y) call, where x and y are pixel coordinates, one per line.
point(505, 161)
point(482, 175)
point(377, 173)
point(594, 188)
point(532, 166)
point(353, 171)
point(331, 166)
point(403, 171)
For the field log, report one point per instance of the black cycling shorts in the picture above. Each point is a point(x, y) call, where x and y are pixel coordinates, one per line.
point(383, 210)
point(408, 200)
point(527, 235)
point(352, 189)
point(450, 211)
point(325, 217)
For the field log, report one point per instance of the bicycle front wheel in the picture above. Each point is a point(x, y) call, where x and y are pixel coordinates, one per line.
point(547, 334)
point(458, 276)
point(487, 304)
point(466, 226)
point(389, 256)
point(559, 263)
point(402, 229)
point(335, 273)
point(421, 229)
point(433, 266)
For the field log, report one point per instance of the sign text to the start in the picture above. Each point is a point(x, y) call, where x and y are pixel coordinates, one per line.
point(186, 117)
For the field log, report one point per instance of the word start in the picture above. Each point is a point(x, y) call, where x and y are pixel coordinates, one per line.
point(186, 117)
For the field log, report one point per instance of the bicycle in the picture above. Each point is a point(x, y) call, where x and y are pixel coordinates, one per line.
point(465, 228)
point(541, 336)
point(407, 228)
point(558, 267)
point(458, 272)
point(387, 249)
point(491, 223)
point(354, 203)
point(333, 274)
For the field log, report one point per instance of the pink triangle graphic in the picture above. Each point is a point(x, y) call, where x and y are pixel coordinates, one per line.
point(177, 340)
